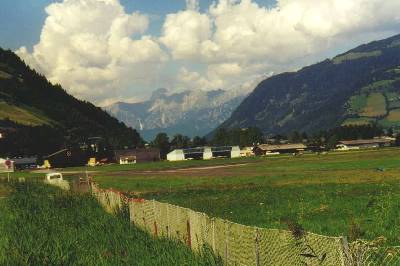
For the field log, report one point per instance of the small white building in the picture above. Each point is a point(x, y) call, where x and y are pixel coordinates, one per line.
point(235, 152)
point(207, 155)
point(176, 155)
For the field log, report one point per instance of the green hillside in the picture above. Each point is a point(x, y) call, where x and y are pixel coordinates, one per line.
point(44, 117)
point(22, 115)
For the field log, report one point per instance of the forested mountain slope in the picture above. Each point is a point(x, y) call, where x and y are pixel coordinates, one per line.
point(40, 117)
point(361, 86)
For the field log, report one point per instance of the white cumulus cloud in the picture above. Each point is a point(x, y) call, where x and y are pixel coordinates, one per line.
point(99, 52)
point(96, 50)
point(237, 39)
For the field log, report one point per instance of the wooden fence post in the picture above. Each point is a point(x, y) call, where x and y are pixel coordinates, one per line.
point(168, 222)
point(213, 234)
point(226, 244)
point(189, 242)
point(155, 229)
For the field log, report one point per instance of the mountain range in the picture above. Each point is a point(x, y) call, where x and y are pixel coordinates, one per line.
point(359, 87)
point(190, 112)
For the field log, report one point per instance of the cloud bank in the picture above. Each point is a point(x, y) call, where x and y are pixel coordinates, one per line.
point(99, 52)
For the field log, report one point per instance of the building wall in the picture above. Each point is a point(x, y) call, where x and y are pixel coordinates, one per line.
point(176, 155)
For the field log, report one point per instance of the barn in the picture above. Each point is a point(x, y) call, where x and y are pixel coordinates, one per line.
point(265, 149)
point(136, 156)
point(365, 143)
point(67, 158)
point(23, 163)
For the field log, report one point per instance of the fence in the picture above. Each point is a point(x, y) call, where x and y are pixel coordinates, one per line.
point(237, 244)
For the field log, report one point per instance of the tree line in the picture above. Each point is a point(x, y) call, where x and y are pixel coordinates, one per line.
point(221, 137)
point(327, 139)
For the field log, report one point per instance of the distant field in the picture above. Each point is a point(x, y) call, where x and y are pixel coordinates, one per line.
point(353, 56)
point(22, 116)
point(356, 194)
point(394, 116)
point(376, 105)
point(5, 75)
point(357, 121)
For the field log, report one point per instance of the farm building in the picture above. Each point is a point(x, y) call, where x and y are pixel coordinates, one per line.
point(67, 158)
point(203, 153)
point(136, 156)
point(266, 149)
point(365, 143)
point(25, 163)
point(247, 152)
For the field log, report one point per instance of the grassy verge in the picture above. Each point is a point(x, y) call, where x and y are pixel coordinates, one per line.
point(40, 225)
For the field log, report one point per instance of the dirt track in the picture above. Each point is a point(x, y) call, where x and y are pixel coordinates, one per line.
point(216, 170)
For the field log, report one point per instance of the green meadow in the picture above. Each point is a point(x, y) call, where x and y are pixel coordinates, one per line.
point(355, 194)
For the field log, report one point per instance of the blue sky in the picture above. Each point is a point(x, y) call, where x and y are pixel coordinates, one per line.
point(21, 20)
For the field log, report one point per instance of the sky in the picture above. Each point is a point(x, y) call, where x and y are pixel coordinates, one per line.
point(122, 50)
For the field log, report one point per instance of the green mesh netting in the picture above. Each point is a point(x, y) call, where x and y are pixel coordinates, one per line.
point(245, 245)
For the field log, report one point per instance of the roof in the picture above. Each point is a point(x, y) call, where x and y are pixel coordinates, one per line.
point(26, 160)
point(57, 152)
point(366, 141)
point(272, 147)
point(206, 149)
point(134, 152)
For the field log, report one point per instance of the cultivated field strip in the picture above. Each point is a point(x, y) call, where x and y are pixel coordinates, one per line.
point(238, 244)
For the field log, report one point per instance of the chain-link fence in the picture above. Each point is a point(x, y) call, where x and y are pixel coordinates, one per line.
point(237, 244)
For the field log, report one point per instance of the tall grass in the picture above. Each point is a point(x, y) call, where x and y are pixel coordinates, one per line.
point(40, 225)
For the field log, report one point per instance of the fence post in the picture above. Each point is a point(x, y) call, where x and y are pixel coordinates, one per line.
point(155, 229)
point(226, 244)
point(189, 242)
point(257, 248)
point(346, 252)
point(132, 212)
point(155, 217)
point(168, 223)
point(213, 234)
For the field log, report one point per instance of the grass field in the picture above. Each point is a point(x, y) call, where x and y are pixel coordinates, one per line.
point(357, 121)
point(40, 225)
point(394, 116)
point(376, 105)
point(356, 193)
point(22, 116)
